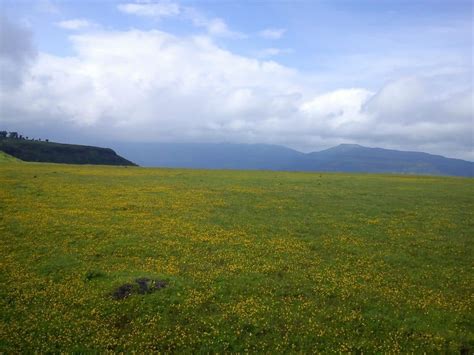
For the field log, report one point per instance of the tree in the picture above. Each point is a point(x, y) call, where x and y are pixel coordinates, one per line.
point(13, 135)
point(3, 134)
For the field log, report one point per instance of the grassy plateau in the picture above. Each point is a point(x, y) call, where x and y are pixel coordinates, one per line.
point(245, 261)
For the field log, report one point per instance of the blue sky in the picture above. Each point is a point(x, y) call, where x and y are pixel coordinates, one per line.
point(307, 74)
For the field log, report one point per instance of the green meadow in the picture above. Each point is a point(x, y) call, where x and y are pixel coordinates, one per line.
point(233, 261)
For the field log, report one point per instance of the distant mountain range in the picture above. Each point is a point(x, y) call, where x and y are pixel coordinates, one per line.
point(343, 158)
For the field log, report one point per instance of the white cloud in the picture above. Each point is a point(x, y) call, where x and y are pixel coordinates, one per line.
point(153, 72)
point(271, 52)
point(218, 27)
point(76, 24)
point(154, 86)
point(421, 99)
point(272, 33)
point(151, 9)
point(338, 108)
point(214, 26)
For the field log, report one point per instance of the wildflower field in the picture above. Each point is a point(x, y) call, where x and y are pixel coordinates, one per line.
point(233, 261)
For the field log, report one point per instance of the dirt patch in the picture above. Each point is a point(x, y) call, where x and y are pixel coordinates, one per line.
point(142, 286)
point(146, 285)
point(159, 285)
point(122, 292)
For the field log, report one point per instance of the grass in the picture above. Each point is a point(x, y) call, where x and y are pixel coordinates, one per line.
point(252, 261)
point(6, 158)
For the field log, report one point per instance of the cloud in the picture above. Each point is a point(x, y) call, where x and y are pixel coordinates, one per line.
point(271, 52)
point(337, 108)
point(420, 99)
point(17, 52)
point(214, 26)
point(272, 33)
point(144, 82)
point(151, 9)
point(76, 24)
point(404, 114)
point(154, 86)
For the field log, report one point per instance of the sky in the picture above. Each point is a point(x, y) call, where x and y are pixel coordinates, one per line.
point(305, 74)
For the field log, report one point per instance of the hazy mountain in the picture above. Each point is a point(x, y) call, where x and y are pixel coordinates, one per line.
point(345, 157)
point(211, 156)
point(351, 157)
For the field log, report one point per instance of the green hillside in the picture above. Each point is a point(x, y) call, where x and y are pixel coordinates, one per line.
point(41, 151)
point(6, 158)
point(97, 259)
